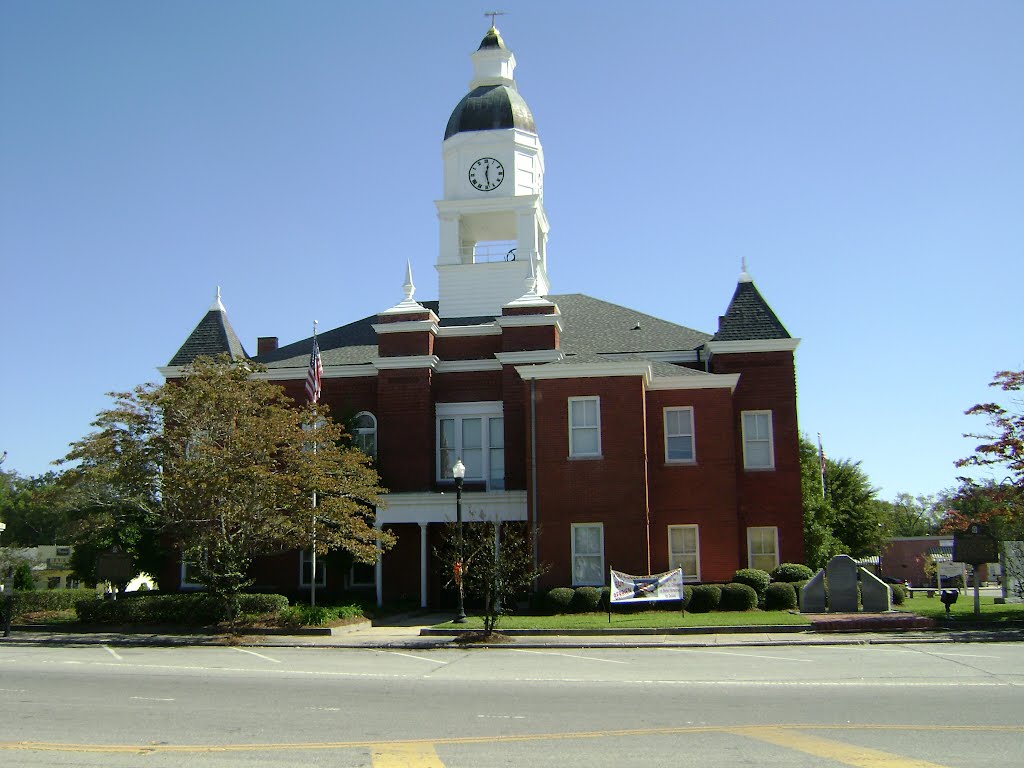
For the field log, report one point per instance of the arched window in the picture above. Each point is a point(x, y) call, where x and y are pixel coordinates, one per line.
point(364, 433)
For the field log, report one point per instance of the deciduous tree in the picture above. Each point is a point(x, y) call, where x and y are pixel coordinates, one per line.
point(223, 464)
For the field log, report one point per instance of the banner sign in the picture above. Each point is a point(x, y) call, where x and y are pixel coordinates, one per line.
point(658, 586)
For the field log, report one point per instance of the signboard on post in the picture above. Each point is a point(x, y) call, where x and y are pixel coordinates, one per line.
point(975, 546)
point(638, 589)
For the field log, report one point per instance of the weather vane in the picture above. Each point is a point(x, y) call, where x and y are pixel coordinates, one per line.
point(493, 14)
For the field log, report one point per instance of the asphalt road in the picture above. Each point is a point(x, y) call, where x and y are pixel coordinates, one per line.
point(883, 706)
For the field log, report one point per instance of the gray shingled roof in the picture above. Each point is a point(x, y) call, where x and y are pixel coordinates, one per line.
point(213, 336)
point(749, 317)
point(591, 327)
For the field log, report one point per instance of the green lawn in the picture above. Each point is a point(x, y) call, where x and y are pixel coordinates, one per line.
point(931, 607)
point(963, 608)
point(638, 620)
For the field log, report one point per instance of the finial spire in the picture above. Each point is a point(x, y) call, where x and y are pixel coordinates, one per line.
point(408, 288)
point(744, 275)
point(493, 14)
point(217, 305)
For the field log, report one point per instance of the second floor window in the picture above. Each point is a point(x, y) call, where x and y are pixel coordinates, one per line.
point(679, 435)
point(758, 451)
point(475, 433)
point(364, 433)
point(584, 426)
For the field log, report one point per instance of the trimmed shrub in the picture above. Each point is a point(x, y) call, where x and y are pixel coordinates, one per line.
point(791, 572)
point(195, 609)
point(755, 579)
point(558, 600)
point(687, 596)
point(31, 601)
point(780, 596)
point(705, 598)
point(798, 586)
point(606, 598)
point(585, 600)
point(737, 597)
point(899, 593)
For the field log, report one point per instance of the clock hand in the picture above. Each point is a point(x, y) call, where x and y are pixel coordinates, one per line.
point(487, 174)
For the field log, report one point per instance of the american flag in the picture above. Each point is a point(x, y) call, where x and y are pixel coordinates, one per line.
point(316, 372)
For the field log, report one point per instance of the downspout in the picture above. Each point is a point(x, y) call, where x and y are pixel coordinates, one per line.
point(647, 477)
point(533, 479)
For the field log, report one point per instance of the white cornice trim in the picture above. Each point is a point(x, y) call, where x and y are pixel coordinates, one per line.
point(752, 345)
point(706, 381)
point(360, 370)
point(171, 371)
point(467, 366)
point(528, 321)
point(410, 308)
point(585, 371)
point(410, 361)
point(406, 326)
point(535, 356)
point(290, 374)
point(489, 329)
point(520, 203)
point(440, 507)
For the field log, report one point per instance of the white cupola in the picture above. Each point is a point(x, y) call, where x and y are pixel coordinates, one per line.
point(493, 229)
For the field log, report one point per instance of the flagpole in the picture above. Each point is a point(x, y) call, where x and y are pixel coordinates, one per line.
point(314, 368)
point(821, 463)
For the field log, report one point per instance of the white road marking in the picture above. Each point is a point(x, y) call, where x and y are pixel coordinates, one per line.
point(112, 652)
point(567, 655)
point(733, 653)
point(259, 655)
point(148, 698)
point(418, 658)
point(502, 717)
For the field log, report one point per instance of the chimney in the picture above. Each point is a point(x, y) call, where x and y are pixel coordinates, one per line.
point(266, 344)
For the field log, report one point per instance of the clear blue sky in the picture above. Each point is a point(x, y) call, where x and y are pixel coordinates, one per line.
point(867, 158)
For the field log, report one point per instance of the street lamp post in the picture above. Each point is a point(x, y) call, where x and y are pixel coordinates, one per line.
point(459, 472)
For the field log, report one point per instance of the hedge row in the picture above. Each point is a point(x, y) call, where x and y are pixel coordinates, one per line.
point(32, 600)
point(186, 609)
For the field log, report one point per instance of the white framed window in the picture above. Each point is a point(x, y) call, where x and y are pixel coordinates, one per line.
point(758, 446)
point(679, 444)
point(684, 551)
point(587, 554)
point(190, 575)
point(475, 433)
point(306, 569)
point(364, 433)
point(584, 426)
point(763, 547)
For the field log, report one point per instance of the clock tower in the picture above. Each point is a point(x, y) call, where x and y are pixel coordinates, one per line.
point(492, 222)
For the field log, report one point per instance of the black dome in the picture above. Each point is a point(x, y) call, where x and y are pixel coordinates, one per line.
point(488, 108)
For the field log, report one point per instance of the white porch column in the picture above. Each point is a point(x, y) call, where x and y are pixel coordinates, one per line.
point(378, 572)
point(423, 565)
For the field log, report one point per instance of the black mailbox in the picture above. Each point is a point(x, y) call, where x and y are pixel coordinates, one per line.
point(948, 597)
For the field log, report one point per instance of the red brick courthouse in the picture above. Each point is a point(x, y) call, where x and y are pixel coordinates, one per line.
point(628, 441)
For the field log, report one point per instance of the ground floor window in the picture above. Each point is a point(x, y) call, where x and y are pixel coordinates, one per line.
point(362, 575)
point(587, 554)
point(763, 547)
point(306, 569)
point(684, 551)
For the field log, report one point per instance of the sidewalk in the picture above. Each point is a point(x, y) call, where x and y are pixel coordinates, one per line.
point(416, 632)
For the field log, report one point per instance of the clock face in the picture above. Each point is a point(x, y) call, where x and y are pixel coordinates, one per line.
point(486, 174)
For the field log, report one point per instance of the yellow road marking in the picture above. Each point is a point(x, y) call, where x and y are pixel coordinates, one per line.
point(43, 746)
point(847, 754)
point(405, 756)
